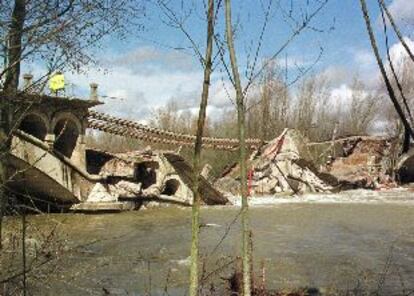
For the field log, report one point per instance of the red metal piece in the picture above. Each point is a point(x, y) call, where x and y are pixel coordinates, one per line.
point(278, 146)
point(249, 186)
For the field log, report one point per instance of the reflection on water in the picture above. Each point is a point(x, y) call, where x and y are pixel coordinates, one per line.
point(300, 244)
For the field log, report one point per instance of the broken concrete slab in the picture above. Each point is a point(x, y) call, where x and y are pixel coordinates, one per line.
point(228, 185)
point(147, 176)
point(105, 207)
point(282, 166)
point(209, 195)
point(206, 172)
point(99, 193)
point(366, 163)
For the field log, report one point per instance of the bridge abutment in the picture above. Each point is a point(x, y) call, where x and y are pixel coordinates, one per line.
point(56, 126)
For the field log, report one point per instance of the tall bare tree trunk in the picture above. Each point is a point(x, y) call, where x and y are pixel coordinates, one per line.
point(382, 69)
point(14, 51)
point(265, 109)
point(242, 157)
point(3, 177)
point(24, 263)
point(383, 8)
point(194, 285)
point(11, 84)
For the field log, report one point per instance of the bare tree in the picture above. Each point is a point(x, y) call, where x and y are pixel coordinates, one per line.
point(252, 75)
point(194, 278)
point(111, 143)
point(246, 256)
point(14, 51)
point(174, 20)
point(308, 96)
point(311, 111)
point(11, 83)
point(175, 117)
point(362, 109)
point(381, 66)
point(267, 111)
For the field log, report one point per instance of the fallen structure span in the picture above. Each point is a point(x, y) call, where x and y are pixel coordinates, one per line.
point(132, 129)
point(143, 179)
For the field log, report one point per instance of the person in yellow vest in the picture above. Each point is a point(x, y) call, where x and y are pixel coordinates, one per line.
point(57, 82)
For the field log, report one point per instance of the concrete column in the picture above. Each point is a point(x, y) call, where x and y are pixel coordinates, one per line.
point(94, 92)
point(27, 81)
point(50, 139)
point(79, 155)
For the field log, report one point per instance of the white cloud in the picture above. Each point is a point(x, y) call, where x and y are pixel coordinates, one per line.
point(136, 93)
point(146, 59)
point(140, 81)
point(337, 75)
point(293, 62)
point(364, 58)
point(399, 54)
point(366, 64)
point(402, 9)
point(343, 92)
point(342, 96)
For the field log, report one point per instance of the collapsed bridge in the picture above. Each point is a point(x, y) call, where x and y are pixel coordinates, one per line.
point(49, 153)
point(48, 156)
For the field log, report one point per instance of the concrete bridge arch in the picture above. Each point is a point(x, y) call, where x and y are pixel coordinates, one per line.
point(68, 133)
point(47, 155)
point(36, 124)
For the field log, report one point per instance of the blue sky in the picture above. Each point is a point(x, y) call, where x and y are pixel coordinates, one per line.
point(144, 71)
point(342, 23)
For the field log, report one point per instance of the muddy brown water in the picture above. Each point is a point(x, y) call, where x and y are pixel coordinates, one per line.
point(302, 243)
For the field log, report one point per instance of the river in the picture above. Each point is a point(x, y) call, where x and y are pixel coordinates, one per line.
point(355, 239)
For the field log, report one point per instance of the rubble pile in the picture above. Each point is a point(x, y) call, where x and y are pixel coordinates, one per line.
point(282, 166)
point(286, 165)
point(365, 163)
point(144, 178)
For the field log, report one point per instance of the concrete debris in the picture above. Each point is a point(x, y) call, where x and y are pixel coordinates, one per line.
point(206, 172)
point(228, 185)
point(100, 207)
point(100, 193)
point(365, 163)
point(145, 178)
point(282, 166)
point(209, 195)
point(126, 189)
point(289, 164)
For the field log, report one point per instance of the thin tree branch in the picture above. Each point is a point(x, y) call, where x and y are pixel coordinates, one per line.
point(304, 24)
point(396, 29)
point(399, 86)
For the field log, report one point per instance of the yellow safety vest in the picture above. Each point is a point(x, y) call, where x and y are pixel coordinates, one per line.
point(56, 82)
